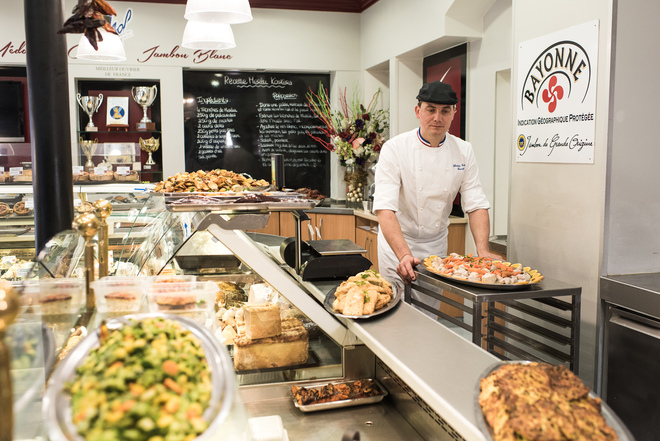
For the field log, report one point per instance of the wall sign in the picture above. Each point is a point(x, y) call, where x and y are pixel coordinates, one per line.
point(556, 96)
point(236, 120)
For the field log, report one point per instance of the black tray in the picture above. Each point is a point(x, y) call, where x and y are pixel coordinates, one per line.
point(330, 297)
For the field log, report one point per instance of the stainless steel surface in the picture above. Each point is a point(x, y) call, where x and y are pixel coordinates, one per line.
point(375, 422)
point(237, 208)
point(498, 244)
point(351, 402)
point(610, 417)
point(640, 292)
point(335, 246)
point(538, 311)
point(330, 298)
point(430, 360)
point(57, 403)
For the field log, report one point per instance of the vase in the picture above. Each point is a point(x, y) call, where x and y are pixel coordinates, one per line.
point(355, 177)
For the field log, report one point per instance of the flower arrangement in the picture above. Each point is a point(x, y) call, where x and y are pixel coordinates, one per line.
point(354, 132)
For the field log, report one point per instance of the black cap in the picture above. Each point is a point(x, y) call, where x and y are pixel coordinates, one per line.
point(437, 92)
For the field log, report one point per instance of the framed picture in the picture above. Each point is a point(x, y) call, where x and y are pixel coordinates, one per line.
point(119, 152)
point(117, 113)
point(450, 67)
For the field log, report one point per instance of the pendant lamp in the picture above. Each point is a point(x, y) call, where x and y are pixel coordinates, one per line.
point(202, 35)
point(218, 11)
point(111, 48)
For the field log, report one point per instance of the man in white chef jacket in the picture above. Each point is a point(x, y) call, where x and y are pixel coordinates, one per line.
point(418, 176)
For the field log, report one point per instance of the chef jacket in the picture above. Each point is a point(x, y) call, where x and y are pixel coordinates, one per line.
point(419, 183)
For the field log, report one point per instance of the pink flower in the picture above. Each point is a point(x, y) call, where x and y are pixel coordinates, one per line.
point(357, 142)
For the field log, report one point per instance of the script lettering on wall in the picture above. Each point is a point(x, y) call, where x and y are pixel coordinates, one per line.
point(236, 120)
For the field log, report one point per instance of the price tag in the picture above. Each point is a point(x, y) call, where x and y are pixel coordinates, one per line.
point(77, 169)
point(29, 204)
point(124, 171)
point(99, 170)
point(77, 202)
point(8, 259)
point(137, 166)
point(15, 171)
point(2, 169)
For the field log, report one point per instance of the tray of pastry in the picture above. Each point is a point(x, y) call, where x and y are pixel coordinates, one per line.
point(550, 393)
point(272, 201)
point(326, 395)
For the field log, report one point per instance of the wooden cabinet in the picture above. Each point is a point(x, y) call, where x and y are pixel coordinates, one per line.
point(331, 226)
point(368, 240)
point(273, 225)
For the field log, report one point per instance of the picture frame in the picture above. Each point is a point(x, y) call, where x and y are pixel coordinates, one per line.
point(450, 66)
point(117, 111)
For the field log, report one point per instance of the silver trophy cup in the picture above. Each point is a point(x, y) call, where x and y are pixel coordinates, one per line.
point(145, 97)
point(90, 104)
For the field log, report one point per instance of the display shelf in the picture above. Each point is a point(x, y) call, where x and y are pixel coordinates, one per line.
point(113, 187)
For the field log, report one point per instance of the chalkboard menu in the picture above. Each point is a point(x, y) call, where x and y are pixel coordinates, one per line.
point(236, 120)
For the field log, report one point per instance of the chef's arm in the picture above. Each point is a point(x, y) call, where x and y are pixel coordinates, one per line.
point(480, 228)
point(389, 225)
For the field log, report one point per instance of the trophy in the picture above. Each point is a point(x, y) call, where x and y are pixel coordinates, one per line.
point(144, 96)
point(88, 147)
point(149, 145)
point(90, 104)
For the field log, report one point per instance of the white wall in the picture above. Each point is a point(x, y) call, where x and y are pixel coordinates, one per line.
point(556, 213)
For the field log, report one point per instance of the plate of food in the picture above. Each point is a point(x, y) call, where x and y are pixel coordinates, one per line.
point(554, 404)
point(364, 295)
point(333, 395)
point(482, 272)
point(196, 404)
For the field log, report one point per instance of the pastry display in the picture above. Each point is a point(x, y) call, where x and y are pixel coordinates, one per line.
point(25, 177)
point(162, 392)
point(262, 321)
point(4, 177)
point(538, 401)
point(131, 176)
point(311, 194)
point(81, 177)
point(20, 209)
point(4, 209)
point(481, 270)
point(289, 348)
point(105, 177)
point(208, 181)
point(362, 294)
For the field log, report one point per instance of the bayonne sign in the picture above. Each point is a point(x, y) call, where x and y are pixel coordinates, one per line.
point(557, 96)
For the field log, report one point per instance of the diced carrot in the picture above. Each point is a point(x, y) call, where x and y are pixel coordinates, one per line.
point(172, 385)
point(170, 367)
point(127, 405)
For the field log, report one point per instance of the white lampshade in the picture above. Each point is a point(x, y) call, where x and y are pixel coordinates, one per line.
point(200, 35)
point(218, 11)
point(110, 49)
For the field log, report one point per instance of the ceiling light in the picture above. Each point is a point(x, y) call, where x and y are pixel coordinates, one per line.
point(110, 49)
point(201, 35)
point(218, 11)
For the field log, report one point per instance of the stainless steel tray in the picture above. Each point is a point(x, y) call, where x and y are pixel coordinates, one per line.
point(609, 415)
point(56, 408)
point(330, 297)
point(342, 403)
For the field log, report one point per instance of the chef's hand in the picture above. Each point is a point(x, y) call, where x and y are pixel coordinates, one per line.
point(406, 266)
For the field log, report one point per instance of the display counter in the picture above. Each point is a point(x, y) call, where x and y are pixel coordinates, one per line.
point(431, 373)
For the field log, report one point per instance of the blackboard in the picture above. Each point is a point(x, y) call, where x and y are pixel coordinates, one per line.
point(236, 120)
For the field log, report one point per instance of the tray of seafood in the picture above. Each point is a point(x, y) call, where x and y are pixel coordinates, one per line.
point(332, 395)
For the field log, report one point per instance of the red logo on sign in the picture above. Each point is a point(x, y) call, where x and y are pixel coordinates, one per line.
point(553, 94)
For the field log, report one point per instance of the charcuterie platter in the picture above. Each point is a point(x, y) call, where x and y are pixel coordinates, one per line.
point(482, 272)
